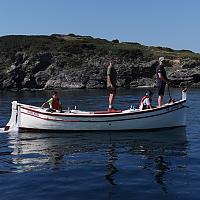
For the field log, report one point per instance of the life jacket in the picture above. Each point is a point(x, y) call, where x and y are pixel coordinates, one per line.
point(142, 106)
point(56, 104)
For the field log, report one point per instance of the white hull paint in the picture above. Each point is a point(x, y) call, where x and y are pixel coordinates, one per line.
point(33, 118)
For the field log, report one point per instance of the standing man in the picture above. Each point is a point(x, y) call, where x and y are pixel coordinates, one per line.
point(162, 80)
point(111, 84)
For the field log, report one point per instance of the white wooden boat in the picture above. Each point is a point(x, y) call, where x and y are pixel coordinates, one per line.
point(31, 118)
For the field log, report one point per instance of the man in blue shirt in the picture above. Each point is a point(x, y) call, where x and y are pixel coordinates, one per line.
point(162, 80)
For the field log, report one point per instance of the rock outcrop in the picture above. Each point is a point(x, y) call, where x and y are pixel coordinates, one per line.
point(81, 62)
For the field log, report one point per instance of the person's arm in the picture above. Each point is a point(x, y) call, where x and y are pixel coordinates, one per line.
point(110, 82)
point(163, 78)
point(48, 102)
point(44, 104)
point(108, 75)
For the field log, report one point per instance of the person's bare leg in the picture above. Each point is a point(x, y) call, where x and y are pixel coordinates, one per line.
point(111, 99)
point(160, 100)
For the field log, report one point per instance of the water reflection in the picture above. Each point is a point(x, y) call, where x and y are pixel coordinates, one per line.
point(162, 167)
point(112, 156)
point(155, 152)
point(159, 150)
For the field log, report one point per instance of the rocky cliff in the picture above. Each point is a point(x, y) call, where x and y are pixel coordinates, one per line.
point(70, 61)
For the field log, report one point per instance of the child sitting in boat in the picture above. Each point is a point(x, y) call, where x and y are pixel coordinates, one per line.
point(146, 100)
point(54, 103)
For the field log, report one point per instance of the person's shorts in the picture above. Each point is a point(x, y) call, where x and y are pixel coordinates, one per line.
point(111, 90)
point(161, 90)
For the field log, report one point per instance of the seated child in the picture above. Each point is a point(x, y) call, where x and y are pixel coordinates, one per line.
point(146, 100)
point(54, 103)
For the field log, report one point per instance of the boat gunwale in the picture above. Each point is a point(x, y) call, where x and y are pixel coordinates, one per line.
point(92, 114)
point(102, 121)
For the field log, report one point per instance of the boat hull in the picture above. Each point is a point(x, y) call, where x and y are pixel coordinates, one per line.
point(31, 118)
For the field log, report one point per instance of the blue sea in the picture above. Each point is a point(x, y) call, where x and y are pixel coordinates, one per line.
point(162, 164)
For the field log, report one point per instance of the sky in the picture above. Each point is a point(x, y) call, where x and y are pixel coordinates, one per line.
point(167, 23)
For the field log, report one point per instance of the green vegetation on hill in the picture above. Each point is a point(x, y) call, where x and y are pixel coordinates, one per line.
point(71, 43)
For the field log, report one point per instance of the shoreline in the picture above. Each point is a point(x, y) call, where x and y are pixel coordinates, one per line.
point(63, 89)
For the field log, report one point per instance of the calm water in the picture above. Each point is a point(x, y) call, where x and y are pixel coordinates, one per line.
point(110, 165)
